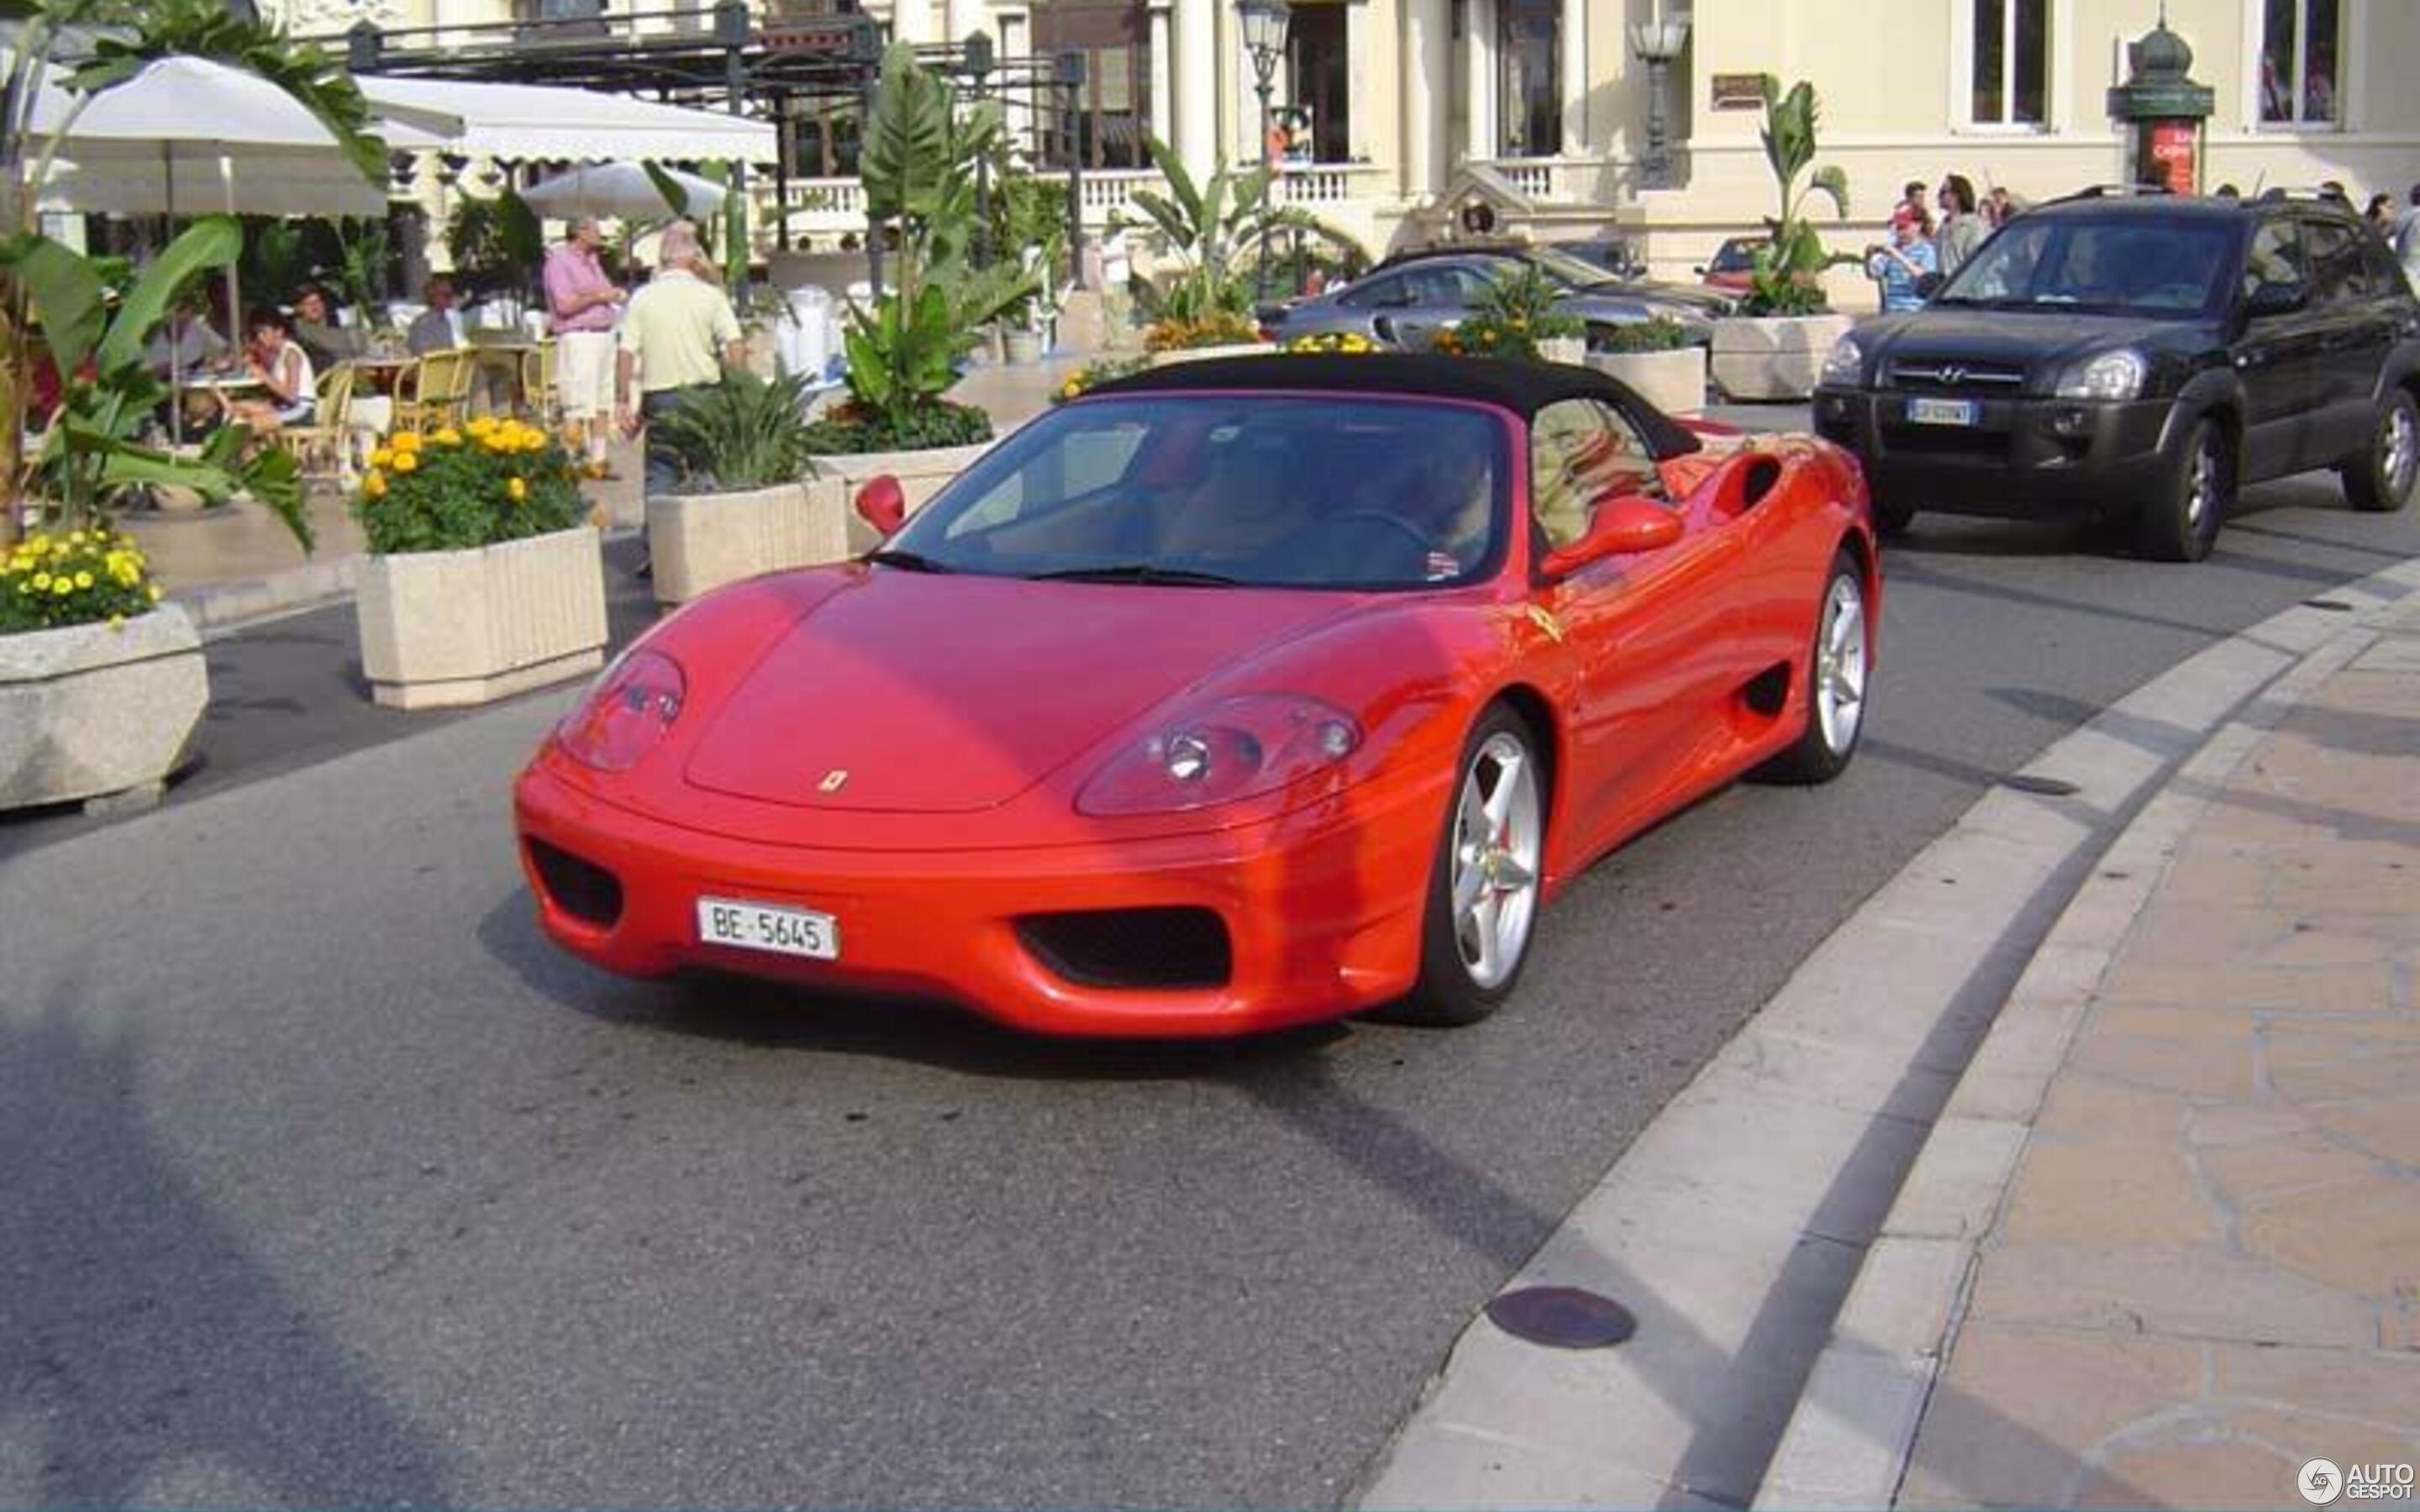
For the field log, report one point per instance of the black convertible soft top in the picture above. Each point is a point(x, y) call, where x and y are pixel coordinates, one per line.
point(1524, 388)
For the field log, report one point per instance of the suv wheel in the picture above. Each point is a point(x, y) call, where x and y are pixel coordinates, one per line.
point(2180, 524)
point(2378, 478)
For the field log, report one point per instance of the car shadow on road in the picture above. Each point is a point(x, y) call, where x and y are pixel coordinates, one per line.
point(146, 1354)
point(779, 1017)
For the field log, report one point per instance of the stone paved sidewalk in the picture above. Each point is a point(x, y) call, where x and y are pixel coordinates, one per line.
point(2206, 1271)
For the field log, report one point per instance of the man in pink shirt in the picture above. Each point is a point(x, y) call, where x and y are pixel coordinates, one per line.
point(582, 304)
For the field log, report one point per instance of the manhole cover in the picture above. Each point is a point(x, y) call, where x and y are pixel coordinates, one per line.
point(1563, 1318)
point(2049, 787)
point(2336, 604)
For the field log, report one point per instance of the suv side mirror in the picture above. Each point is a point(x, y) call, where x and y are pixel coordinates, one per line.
point(2276, 299)
point(1622, 525)
point(884, 504)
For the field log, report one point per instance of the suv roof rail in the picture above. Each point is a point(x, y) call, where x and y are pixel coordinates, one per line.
point(2300, 196)
point(2112, 191)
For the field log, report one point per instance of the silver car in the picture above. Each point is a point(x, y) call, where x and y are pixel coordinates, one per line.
point(1405, 301)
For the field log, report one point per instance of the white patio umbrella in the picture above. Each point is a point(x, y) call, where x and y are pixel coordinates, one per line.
point(539, 122)
point(625, 189)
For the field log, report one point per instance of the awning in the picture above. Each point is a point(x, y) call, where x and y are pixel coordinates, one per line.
point(535, 122)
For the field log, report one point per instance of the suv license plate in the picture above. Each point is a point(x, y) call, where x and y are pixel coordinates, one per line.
point(1941, 411)
point(766, 927)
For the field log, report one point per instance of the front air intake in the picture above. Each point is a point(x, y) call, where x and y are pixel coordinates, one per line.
point(1132, 947)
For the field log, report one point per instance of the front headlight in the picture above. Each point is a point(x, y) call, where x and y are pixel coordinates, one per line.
point(2116, 375)
point(627, 714)
point(1845, 363)
point(1238, 748)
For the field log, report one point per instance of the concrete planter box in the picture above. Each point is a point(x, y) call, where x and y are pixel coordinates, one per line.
point(921, 475)
point(445, 629)
point(701, 541)
point(1023, 344)
point(1778, 357)
point(89, 712)
point(1572, 350)
point(1673, 381)
point(1200, 354)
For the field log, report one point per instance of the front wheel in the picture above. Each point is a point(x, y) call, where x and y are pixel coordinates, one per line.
point(2182, 523)
point(1839, 670)
point(1485, 887)
point(2379, 479)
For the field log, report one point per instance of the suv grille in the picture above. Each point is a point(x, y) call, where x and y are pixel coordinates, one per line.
point(1951, 375)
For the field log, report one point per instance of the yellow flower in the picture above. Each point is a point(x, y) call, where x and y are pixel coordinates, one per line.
point(42, 582)
point(118, 621)
point(382, 457)
point(374, 486)
point(516, 490)
point(75, 538)
point(406, 461)
point(405, 440)
point(61, 588)
point(83, 580)
point(448, 435)
point(155, 592)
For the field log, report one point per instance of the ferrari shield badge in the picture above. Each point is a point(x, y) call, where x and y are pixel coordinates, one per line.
point(1544, 620)
point(833, 780)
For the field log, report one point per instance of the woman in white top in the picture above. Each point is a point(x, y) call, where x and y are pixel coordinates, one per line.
point(278, 362)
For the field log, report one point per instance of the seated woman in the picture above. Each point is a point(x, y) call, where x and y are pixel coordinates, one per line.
point(283, 368)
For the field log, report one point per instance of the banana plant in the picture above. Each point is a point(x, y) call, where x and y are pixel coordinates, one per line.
point(1786, 277)
point(90, 457)
point(1209, 225)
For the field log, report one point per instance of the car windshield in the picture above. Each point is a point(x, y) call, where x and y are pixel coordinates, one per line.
point(1563, 268)
point(1191, 491)
point(2136, 267)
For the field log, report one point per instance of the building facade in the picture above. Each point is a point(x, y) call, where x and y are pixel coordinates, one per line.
point(1415, 121)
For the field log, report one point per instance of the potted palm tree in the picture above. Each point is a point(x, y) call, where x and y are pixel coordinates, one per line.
point(750, 500)
point(1205, 309)
point(1775, 349)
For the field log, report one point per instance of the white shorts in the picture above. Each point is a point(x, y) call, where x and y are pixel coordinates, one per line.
point(583, 373)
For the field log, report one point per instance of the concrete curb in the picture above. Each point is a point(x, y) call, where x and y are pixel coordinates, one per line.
point(1737, 1225)
point(1850, 1438)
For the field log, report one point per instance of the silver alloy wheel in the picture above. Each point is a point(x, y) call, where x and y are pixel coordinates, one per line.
point(2402, 449)
point(1497, 839)
point(1841, 664)
point(2198, 482)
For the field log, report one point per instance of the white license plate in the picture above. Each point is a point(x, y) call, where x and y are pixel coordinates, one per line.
point(1941, 411)
point(766, 927)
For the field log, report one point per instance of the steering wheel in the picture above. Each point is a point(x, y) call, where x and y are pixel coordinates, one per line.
point(1306, 542)
point(1376, 517)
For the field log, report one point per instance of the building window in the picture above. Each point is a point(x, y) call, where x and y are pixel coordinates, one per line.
point(1319, 121)
point(824, 141)
point(2011, 62)
point(1528, 81)
point(1111, 113)
point(2298, 62)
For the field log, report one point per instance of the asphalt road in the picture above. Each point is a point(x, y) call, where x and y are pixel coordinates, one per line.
point(328, 1181)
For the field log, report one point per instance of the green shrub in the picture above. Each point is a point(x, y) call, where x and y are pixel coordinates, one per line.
point(451, 490)
point(742, 433)
point(1661, 333)
point(852, 428)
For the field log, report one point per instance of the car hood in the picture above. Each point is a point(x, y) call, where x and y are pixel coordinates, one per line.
point(2039, 341)
point(1709, 302)
point(952, 694)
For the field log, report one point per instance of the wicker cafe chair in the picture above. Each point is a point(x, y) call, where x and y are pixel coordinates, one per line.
point(326, 444)
point(435, 391)
point(538, 392)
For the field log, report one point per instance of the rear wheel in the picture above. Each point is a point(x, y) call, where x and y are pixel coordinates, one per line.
point(2379, 479)
point(2180, 524)
point(1839, 668)
point(1483, 891)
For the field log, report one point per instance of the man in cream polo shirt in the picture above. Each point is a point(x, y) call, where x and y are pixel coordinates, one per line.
point(678, 334)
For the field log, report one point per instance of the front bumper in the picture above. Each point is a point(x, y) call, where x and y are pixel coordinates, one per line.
point(1321, 910)
point(2025, 457)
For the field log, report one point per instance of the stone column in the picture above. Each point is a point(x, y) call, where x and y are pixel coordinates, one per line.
point(1479, 60)
point(1572, 46)
point(1427, 50)
point(1197, 72)
point(1163, 99)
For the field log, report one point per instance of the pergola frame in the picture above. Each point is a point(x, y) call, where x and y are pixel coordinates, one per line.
point(747, 65)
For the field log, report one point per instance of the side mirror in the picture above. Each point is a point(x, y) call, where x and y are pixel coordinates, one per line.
point(1928, 284)
point(2276, 299)
point(884, 504)
point(1623, 525)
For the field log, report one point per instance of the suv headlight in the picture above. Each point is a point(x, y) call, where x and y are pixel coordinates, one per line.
point(1845, 363)
point(2116, 375)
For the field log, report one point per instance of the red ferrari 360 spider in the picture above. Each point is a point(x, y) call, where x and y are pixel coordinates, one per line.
point(1232, 695)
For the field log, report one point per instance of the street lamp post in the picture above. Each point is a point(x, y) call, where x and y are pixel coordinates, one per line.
point(1263, 26)
point(1656, 43)
point(974, 56)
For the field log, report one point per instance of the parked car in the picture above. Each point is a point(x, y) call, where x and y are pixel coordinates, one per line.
point(1405, 301)
point(2140, 356)
point(1234, 694)
point(1732, 265)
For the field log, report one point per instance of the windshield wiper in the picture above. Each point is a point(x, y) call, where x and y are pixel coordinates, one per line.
point(1138, 572)
point(906, 561)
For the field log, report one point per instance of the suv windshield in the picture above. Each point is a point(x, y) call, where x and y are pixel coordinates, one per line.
point(2130, 266)
point(1193, 491)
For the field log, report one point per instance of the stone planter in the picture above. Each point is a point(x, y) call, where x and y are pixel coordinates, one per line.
point(445, 629)
point(921, 475)
point(1777, 357)
point(701, 541)
point(1572, 350)
point(1024, 344)
point(1673, 381)
point(1200, 354)
point(101, 715)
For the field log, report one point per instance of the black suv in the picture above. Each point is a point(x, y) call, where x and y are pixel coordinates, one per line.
point(2108, 356)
